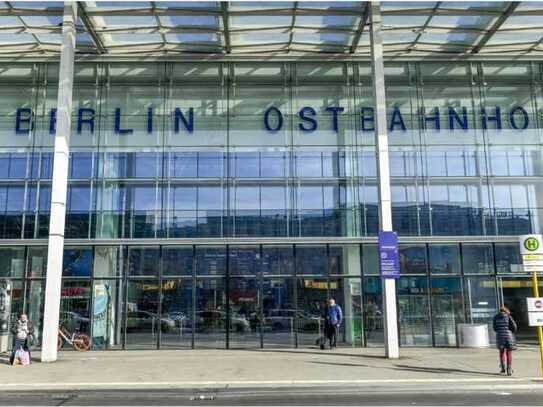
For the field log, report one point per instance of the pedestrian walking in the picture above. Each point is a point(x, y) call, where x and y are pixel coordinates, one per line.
point(505, 327)
point(22, 333)
point(333, 318)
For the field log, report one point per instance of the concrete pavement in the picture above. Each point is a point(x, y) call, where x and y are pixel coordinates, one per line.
point(169, 369)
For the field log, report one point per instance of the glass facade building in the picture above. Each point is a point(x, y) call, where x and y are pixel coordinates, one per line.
point(219, 204)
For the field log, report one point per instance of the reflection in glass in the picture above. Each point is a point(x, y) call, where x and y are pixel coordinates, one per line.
point(210, 314)
point(312, 298)
point(277, 260)
point(75, 306)
point(106, 314)
point(480, 300)
point(413, 259)
point(444, 259)
point(373, 312)
point(477, 258)
point(108, 261)
point(311, 260)
point(414, 311)
point(35, 301)
point(245, 313)
point(447, 309)
point(348, 295)
point(278, 312)
point(176, 313)
point(177, 261)
point(77, 262)
point(143, 261)
point(141, 317)
point(12, 262)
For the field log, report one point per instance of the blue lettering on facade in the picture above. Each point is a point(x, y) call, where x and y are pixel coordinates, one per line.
point(188, 123)
point(118, 129)
point(335, 110)
point(53, 121)
point(455, 118)
point(23, 121)
point(312, 122)
point(150, 120)
point(366, 118)
point(431, 119)
point(496, 118)
point(458, 119)
point(89, 119)
point(279, 119)
point(397, 120)
point(513, 116)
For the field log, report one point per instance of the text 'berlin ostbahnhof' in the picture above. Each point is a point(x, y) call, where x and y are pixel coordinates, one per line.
point(219, 203)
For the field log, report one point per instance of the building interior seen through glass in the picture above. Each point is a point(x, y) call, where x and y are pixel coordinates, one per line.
point(172, 162)
point(239, 296)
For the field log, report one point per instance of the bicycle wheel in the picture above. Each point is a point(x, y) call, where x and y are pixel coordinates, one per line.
point(82, 342)
point(60, 342)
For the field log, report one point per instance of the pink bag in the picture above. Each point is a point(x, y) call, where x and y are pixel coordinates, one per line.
point(24, 357)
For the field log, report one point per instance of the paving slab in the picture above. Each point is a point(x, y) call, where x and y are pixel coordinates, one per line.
point(449, 368)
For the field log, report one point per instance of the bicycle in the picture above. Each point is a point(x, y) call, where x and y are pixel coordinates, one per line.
point(81, 342)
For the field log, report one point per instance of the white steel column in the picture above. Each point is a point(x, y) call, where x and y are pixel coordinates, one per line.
point(383, 173)
point(60, 185)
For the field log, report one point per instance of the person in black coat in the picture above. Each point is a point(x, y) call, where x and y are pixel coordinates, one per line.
point(505, 327)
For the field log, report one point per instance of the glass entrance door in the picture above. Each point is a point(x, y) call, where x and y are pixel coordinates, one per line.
point(512, 291)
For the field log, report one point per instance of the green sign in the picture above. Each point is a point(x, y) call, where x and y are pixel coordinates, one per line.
point(531, 244)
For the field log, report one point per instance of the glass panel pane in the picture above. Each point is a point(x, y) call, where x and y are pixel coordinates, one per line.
point(176, 311)
point(447, 309)
point(311, 260)
point(106, 324)
point(508, 258)
point(143, 261)
point(373, 314)
point(312, 299)
point(243, 260)
point(477, 258)
point(141, 314)
point(35, 300)
point(348, 295)
point(277, 260)
point(481, 302)
point(210, 261)
point(108, 261)
point(210, 320)
point(278, 309)
point(12, 262)
point(444, 259)
point(414, 312)
point(177, 261)
point(412, 259)
point(345, 260)
point(77, 262)
point(75, 307)
point(244, 313)
point(370, 259)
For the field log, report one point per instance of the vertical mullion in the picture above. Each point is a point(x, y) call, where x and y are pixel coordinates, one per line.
point(159, 310)
point(227, 287)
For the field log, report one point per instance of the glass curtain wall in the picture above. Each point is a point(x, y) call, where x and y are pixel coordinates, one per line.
point(280, 149)
point(252, 296)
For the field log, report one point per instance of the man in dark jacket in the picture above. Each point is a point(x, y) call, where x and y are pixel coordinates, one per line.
point(505, 327)
point(333, 318)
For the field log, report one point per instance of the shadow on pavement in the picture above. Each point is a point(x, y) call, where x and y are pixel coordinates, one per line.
point(325, 352)
point(422, 369)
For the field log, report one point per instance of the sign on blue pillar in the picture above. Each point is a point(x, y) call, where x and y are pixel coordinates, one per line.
point(389, 256)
